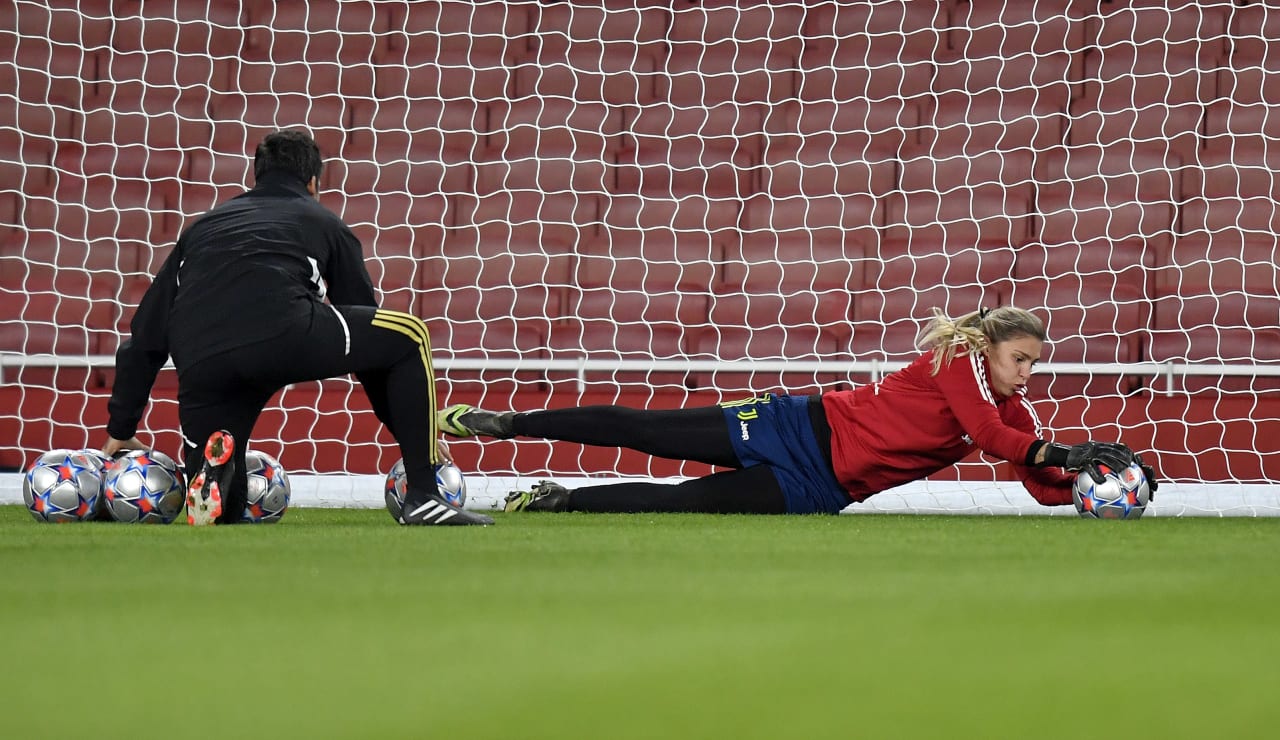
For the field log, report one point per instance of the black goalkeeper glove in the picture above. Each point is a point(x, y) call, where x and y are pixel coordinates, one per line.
point(1088, 456)
point(1150, 472)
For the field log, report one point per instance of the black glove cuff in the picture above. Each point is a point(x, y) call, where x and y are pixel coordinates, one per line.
point(1055, 455)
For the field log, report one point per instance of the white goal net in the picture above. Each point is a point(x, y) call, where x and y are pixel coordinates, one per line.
point(673, 204)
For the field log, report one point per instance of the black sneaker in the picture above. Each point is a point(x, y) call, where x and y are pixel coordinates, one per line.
point(204, 495)
point(435, 511)
point(544, 496)
point(461, 420)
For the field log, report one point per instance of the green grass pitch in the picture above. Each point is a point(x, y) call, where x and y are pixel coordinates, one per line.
point(339, 624)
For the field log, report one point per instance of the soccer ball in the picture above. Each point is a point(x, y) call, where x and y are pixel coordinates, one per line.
point(449, 482)
point(64, 485)
point(269, 488)
point(1123, 495)
point(144, 486)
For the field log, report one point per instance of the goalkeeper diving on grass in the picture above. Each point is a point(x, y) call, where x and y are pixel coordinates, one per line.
point(240, 304)
point(817, 454)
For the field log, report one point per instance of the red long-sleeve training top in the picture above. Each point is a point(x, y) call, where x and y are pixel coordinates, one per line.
point(914, 423)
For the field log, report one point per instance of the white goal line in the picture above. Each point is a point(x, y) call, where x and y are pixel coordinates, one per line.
point(1003, 498)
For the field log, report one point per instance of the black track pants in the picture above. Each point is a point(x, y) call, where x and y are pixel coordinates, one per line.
point(698, 434)
point(388, 351)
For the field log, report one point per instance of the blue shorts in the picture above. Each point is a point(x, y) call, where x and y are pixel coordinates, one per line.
point(776, 431)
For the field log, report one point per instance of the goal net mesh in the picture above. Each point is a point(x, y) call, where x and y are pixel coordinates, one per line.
point(673, 204)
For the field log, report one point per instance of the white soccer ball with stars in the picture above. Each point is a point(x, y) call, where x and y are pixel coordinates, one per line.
point(1123, 494)
point(269, 488)
point(64, 485)
point(144, 486)
point(449, 481)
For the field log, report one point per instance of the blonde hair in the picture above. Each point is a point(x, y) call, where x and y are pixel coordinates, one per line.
point(977, 330)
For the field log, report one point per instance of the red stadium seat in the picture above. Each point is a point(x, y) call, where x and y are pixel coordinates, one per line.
point(315, 80)
point(792, 263)
point(735, 343)
point(1221, 262)
point(159, 167)
point(1231, 328)
point(923, 266)
point(778, 24)
point(612, 324)
point(1087, 216)
point(1023, 33)
point(673, 308)
point(961, 201)
point(100, 206)
point(717, 218)
point(1157, 28)
point(972, 124)
point(416, 129)
point(1253, 29)
point(1226, 120)
point(1124, 76)
point(668, 168)
point(349, 32)
point(724, 126)
point(327, 118)
point(1122, 170)
point(547, 174)
point(554, 127)
point(397, 218)
point(888, 321)
point(420, 178)
point(523, 264)
point(833, 217)
point(1248, 82)
point(26, 162)
point(593, 72)
point(451, 78)
point(210, 29)
point(1175, 126)
point(828, 310)
point(1044, 77)
point(896, 31)
point(920, 171)
point(502, 217)
point(850, 72)
point(1228, 310)
point(534, 306)
point(158, 82)
point(1111, 193)
point(75, 267)
point(1089, 318)
point(486, 30)
point(1131, 263)
point(717, 72)
point(1254, 216)
point(52, 73)
point(85, 25)
point(655, 261)
point(824, 165)
point(851, 126)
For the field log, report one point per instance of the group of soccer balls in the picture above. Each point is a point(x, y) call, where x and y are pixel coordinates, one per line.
point(138, 486)
point(148, 486)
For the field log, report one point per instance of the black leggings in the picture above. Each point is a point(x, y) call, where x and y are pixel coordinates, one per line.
point(698, 434)
point(388, 351)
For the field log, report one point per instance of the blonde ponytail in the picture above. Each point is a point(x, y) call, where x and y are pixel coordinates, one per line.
point(976, 330)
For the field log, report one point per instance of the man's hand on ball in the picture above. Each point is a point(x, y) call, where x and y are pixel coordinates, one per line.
point(114, 446)
point(442, 450)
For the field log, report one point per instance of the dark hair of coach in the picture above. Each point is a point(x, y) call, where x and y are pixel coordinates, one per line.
point(294, 152)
